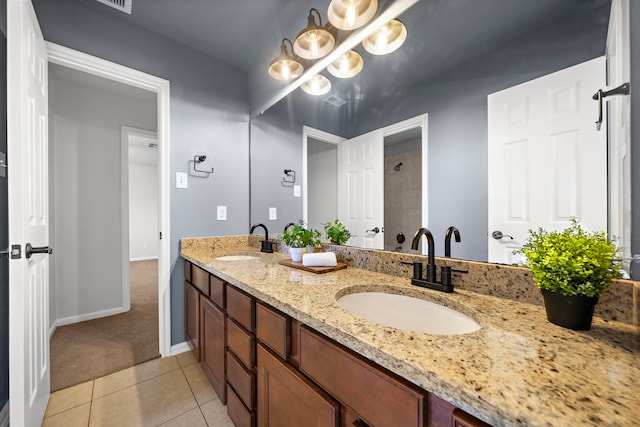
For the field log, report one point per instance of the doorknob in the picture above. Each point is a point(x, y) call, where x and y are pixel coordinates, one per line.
point(498, 235)
point(30, 250)
point(373, 230)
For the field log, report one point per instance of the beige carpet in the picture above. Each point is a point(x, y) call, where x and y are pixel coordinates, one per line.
point(88, 350)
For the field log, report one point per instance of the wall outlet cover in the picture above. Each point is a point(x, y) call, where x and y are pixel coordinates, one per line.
point(273, 214)
point(181, 180)
point(296, 191)
point(222, 213)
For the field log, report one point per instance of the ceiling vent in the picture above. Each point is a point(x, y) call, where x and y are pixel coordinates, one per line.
point(336, 101)
point(121, 5)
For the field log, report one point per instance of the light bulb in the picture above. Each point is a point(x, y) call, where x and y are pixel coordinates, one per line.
point(286, 71)
point(382, 37)
point(313, 43)
point(315, 84)
point(344, 63)
point(351, 14)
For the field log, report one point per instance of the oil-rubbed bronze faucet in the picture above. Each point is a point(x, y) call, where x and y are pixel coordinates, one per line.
point(430, 280)
point(447, 240)
point(267, 246)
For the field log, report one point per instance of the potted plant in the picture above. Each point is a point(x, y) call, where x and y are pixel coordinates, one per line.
point(571, 267)
point(297, 237)
point(336, 232)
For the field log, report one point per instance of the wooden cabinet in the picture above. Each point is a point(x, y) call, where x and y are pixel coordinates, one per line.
point(462, 419)
point(287, 399)
point(192, 318)
point(212, 346)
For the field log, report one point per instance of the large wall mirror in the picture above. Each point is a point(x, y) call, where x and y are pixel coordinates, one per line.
point(457, 54)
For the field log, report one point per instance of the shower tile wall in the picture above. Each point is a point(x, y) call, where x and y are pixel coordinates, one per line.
point(402, 198)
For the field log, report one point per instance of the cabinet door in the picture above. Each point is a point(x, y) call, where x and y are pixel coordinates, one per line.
point(192, 318)
point(460, 418)
point(288, 399)
point(213, 346)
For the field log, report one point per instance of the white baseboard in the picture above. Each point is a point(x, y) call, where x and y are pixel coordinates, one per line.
point(90, 316)
point(4, 415)
point(52, 329)
point(180, 348)
point(144, 258)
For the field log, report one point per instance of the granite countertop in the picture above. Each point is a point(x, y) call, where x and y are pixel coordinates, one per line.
point(517, 370)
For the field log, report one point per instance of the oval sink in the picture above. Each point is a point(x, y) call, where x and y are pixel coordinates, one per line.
point(408, 313)
point(236, 258)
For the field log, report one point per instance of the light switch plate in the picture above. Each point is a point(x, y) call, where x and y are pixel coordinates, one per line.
point(273, 214)
point(222, 213)
point(296, 191)
point(181, 180)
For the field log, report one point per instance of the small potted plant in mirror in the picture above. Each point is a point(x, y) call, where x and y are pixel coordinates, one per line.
point(571, 267)
point(336, 232)
point(297, 237)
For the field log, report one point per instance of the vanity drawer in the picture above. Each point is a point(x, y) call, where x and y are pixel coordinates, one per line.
point(239, 414)
point(200, 279)
point(273, 329)
point(241, 307)
point(242, 380)
point(381, 397)
point(216, 290)
point(187, 270)
point(241, 343)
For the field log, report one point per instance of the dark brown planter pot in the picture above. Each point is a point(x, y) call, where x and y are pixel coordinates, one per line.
point(572, 312)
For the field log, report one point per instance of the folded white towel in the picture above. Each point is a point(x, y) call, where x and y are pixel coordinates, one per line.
point(320, 259)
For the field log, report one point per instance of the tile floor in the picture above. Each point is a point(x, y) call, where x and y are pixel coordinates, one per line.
point(169, 392)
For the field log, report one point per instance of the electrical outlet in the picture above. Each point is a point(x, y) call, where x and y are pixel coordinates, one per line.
point(145, 245)
point(296, 191)
point(222, 213)
point(181, 180)
point(273, 214)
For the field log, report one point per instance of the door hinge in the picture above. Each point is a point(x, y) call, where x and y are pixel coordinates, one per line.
point(161, 235)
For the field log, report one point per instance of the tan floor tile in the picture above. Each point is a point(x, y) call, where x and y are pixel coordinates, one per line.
point(134, 375)
point(193, 418)
point(69, 398)
point(75, 417)
point(186, 358)
point(199, 383)
point(146, 404)
point(216, 414)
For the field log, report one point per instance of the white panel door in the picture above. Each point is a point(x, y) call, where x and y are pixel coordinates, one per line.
point(28, 215)
point(547, 161)
point(361, 188)
point(618, 62)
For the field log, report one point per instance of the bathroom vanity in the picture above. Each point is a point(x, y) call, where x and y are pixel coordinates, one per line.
point(279, 349)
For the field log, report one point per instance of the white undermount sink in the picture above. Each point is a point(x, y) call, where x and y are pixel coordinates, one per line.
point(236, 258)
point(408, 313)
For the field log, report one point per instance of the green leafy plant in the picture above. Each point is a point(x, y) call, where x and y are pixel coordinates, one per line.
point(336, 232)
point(297, 236)
point(572, 261)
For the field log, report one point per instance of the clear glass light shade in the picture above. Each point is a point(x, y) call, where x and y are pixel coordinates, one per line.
point(285, 67)
point(314, 41)
point(387, 39)
point(347, 65)
point(317, 85)
point(351, 14)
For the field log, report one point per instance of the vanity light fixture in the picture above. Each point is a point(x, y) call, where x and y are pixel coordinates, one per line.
point(347, 65)
point(387, 39)
point(286, 66)
point(351, 14)
point(316, 85)
point(314, 41)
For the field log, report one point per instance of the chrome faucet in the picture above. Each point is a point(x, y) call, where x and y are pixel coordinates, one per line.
point(447, 240)
point(430, 281)
point(267, 246)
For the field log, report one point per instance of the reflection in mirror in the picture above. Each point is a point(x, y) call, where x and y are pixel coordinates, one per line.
point(447, 74)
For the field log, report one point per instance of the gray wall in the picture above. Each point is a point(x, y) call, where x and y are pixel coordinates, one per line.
point(209, 113)
point(635, 134)
point(86, 155)
point(322, 184)
point(4, 221)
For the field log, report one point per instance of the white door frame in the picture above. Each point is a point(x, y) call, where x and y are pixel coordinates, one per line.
point(423, 121)
point(99, 67)
point(309, 132)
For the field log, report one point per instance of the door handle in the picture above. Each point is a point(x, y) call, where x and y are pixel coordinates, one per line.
point(373, 230)
point(30, 250)
point(498, 235)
